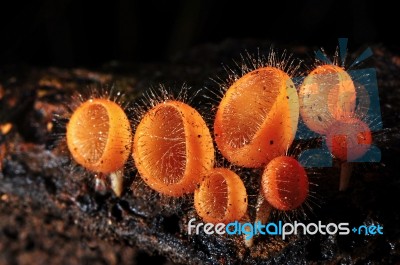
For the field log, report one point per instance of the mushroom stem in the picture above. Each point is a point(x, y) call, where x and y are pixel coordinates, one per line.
point(117, 181)
point(263, 211)
point(248, 242)
point(346, 168)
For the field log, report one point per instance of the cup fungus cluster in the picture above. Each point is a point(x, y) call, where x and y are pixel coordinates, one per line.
point(255, 124)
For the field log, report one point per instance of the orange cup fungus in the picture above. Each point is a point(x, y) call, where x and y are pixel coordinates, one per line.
point(284, 183)
point(348, 139)
point(221, 197)
point(173, 148)
point(99, 136)
point(327, 94)
point(257, 118)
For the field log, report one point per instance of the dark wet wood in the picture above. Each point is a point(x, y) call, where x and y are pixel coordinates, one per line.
point(50, 211)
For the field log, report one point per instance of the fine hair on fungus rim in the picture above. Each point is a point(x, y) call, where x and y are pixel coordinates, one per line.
point(326, 95)
point(285, 183)
point(172, 147)
point(174, 154)
point(221, 197)
point(99, 135)
point(256, 119)
point(337, 101)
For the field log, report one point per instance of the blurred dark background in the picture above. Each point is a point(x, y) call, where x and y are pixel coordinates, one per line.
point(71, 33)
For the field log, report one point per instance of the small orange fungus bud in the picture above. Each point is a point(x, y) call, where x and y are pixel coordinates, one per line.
point(348, 139)
point(326, 95)
point(99, 135)
point(285, 183)
point(257, 118)
point(173, 148)
point(221, 197)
